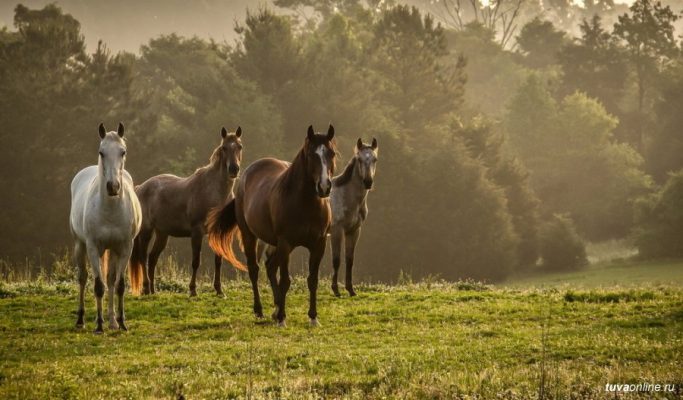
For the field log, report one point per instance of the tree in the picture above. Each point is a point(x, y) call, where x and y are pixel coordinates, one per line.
point(561, 246)
point(493, 74)
point(649, 37)
point(594, 64)
point(665, 147)
point(540, 42)
point(498, 16)
point(192, 92)
point(53, 95)
point(484, 144)
point(659, 220)
point(409, 51)
point(576, 165)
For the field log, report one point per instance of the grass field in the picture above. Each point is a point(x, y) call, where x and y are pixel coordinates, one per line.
point(427, 340)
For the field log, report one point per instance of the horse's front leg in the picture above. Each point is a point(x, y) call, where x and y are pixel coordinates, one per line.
point(121, 286)
point(94, 257)
point(351, 238)
point(316, 254)
point(113, 262)
point(197, 236)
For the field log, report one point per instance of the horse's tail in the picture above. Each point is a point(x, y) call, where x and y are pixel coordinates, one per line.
point(104, 266)
point(136, 266)
point(222, 227)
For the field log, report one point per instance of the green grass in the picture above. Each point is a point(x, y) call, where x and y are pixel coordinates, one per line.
point(607, 274)
point(427, 341)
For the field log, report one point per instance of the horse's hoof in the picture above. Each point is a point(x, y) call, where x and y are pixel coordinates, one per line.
point(98, 331)
point(282, 324)
point(220, 295)
point(113, 325)
point(335, 290)
point(193, 294)
point(80, 325)
point(313, 322)
point(123, 327)
point(351, 292)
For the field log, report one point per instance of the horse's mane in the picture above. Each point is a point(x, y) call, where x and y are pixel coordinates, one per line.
point(346, 175)
point(215, 158)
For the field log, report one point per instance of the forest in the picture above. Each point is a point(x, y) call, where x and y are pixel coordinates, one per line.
point(509, 136)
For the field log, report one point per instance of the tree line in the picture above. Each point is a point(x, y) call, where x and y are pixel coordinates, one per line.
point(491, 160)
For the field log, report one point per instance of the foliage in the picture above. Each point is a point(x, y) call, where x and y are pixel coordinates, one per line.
point(539, 42)
point(659, 229)
point(595, 64)
point(561, 248)
point(576, 165)
point(648, 34)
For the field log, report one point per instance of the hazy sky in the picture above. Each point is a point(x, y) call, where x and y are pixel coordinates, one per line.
point(127, 24)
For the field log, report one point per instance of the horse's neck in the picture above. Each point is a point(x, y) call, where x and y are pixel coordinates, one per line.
point(297, 181)
point(215, 179)
point(353, 189)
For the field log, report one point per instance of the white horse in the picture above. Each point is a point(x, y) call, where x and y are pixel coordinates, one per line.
point(105, 218)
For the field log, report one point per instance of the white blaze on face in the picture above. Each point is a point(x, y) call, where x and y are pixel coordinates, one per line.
point(324, 177)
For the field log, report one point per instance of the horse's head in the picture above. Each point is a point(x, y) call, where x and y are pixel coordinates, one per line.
point(366, 158)
point(320, 151)
point(112, 158)
point(231, 150)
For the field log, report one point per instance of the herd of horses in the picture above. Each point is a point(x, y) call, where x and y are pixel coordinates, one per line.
point(272, 207)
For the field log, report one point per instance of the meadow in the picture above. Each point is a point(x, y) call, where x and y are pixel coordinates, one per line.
point(428, 340)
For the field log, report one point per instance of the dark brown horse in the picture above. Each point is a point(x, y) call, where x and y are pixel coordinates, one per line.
point(178, 207)
point(286, 206)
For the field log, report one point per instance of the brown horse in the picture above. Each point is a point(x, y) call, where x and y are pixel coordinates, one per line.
point(178, 207)
point(286, 206)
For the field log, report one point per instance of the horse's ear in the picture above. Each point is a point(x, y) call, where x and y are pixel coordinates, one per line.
point(311, 132)
point(330, 132)
point(121, 130)
point(374, 144)
point(103, 131)
point(238, 132)
point(224, 132)
point(359, 144)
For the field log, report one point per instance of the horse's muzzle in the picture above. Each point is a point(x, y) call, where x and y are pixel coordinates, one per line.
point(324, 191)
point(113, 188)
point(368, 183)
point(233, 170)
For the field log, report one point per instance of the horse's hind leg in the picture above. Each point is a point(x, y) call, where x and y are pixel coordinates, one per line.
point(335, 241)
point(249, 245)
point(351, 239)
point(160, 240)
point(217, 275)
point(79, 260)
point(94, 257)
point(121, 288)
point(141, 247)
point(280, 259)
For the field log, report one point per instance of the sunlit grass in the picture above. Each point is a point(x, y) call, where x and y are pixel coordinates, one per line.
point(416, 340)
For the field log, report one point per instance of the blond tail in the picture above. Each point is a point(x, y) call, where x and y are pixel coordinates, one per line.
point(222, 227)
point(136, 266)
